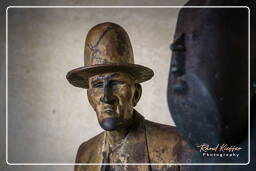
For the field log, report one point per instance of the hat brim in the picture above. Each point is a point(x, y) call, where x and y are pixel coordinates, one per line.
point(79, 76)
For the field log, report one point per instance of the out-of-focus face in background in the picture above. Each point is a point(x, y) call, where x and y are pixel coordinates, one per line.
point(113, 96)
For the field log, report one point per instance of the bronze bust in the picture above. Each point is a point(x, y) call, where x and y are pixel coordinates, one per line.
point(113, 87)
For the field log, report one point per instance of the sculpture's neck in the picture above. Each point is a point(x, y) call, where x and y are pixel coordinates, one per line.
point(117, 137)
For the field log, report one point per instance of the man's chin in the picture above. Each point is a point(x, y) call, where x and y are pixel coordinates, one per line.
point(109, 124)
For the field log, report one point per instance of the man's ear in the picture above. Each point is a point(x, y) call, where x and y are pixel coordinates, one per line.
point(137, 94)
point(89, 96)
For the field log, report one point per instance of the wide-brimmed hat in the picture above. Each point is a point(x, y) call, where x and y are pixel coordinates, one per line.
point(107, 49)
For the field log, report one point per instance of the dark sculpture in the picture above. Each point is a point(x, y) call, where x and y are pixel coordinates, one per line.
point(112, 82)
point(208, 81)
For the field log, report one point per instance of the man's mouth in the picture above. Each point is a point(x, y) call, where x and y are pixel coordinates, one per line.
point(108, 111)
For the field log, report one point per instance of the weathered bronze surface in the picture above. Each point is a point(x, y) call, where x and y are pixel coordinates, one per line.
point(146, 142)
point(107, 49)
point(112, 81)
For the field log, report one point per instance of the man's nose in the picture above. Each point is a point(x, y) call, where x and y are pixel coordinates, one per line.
point(107, 94)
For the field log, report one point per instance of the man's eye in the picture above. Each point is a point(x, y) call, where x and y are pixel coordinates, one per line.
point(97, 85)
point(116, 82)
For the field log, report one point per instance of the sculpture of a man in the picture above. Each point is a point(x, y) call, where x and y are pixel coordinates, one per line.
point(112, 82)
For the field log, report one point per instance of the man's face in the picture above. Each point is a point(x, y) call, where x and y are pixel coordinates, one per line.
point(112, 96)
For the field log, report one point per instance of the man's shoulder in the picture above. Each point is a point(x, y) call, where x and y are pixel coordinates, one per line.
point(92, 140)
point(165, 144)
point(161, 129)
point(162, 135)
point(88, 148)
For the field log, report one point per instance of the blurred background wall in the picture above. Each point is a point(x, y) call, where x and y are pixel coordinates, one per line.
point(47, 117)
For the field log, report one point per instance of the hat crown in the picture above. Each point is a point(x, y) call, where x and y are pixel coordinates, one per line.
point(107, 49)
point(107, 43)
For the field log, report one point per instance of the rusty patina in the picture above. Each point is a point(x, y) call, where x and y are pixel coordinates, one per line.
point(113, 88)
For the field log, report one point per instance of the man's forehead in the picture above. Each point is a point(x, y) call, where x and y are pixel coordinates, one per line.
point(110, 76)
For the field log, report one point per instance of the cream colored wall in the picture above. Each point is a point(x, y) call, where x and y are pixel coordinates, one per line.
point(47, 117)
